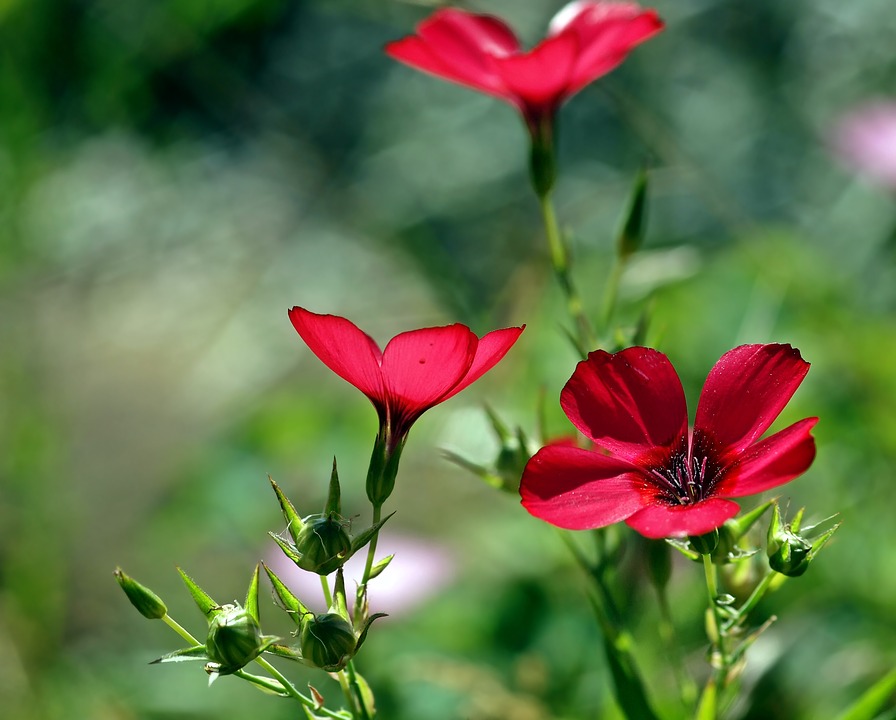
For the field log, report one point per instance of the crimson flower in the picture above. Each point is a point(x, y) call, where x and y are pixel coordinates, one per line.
point(647, 469)
point(586, 39)
point(418, 369)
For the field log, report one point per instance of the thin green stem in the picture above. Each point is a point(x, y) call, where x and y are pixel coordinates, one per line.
point(757, 595)
point(687, 689)
point(708, 709)
point(560, 263)
point(371, 549)
point(356, 688)
point(180, 630)
point(328, 598)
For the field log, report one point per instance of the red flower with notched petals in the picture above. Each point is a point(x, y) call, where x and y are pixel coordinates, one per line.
point(417, 370)
point(586, 39)
point(647, 469)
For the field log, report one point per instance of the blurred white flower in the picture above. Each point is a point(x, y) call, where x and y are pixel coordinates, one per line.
point(866, 140)
point(418, 571)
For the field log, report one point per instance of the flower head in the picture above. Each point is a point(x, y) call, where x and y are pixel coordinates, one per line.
point(585, 40)
point(647, 468)
point(417, 370)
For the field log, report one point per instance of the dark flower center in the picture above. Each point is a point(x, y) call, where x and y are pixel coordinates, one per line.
point(686, 479)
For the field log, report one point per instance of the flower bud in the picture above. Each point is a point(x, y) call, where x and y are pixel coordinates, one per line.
point(328, 641)
point(790, 548)
point(234, 639)
point(323, 543)
point(148, 604)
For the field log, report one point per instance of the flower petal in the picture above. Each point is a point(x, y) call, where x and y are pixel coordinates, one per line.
point(540, 78)
point(629, 403)
point(344, 348)
point(746, 391)
point(491, 348)
point(421, 366)
point(606, 33)
point(579, 489)
point(773, 461)
point(459, 46)
point(661, 520)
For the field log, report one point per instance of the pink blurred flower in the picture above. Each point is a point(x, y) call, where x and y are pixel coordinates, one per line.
point(419, 570)
point(866, 140)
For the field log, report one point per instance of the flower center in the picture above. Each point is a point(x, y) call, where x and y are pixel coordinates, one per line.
point(684, 480)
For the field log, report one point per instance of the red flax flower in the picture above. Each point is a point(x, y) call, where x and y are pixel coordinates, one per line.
point(647, 469)
point(418, 369)
point(585, 40)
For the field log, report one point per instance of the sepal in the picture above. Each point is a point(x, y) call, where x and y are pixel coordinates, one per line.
point(790, 551)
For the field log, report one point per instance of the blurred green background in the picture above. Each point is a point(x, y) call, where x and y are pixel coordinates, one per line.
point(176, 174)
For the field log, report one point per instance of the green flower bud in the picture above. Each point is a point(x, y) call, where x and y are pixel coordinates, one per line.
point(148, 604)
point(705, 544)
point(328, 641)
point(323, 543)
point(789, 549)
point(234, 639)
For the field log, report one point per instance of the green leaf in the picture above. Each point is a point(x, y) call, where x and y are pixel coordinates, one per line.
point(251, 604)
point(290, 602)
point(287, 549)
point(293, 521)
point(334, 496)
point(365, 537)
point(197, 652)
point(203, 601)
point(380, 566)
point(873, 700)
point(631, 234)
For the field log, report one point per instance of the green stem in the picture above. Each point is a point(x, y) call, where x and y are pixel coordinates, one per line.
point(328, 598)
point(371, 550)
point(708, 709)
point(687, 690)
point(560, 263)
point(180, 630)
point(757, 595)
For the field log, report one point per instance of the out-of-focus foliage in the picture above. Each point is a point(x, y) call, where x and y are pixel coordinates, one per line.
point(175, 174)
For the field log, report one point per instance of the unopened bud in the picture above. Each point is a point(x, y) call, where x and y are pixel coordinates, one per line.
point(328, 641)
point(790, 551)
point(234, 639)
point(148, 604)
point(323, 543)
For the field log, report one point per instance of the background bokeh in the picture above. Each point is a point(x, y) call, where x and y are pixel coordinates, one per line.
point(176, 174)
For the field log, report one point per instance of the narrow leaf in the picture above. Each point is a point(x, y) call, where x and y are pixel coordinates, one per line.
point(365, 537)
point(293, 521)
point(334, 496)
point(873, 700)
point(290, 602)
point(252, 596)
point(203, 601)
point(287, 549)
point(197, 652)
point(631, 234)
point(380, 566)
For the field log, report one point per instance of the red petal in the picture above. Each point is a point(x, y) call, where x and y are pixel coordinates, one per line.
point(661, 520)
point(579, 489)
point(628, 403)
point(771, 462)
point(491, 348)
point(606, 44)
point(459, 46)
point(421, 366)
point(344, 348)
point(540, 78)
point(746, 391)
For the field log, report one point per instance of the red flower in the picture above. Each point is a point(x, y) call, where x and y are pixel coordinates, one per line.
point(586, 39)
point(417, 370)
point(648, 470)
